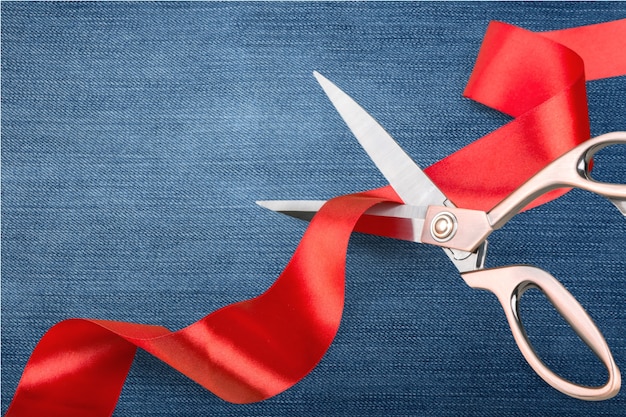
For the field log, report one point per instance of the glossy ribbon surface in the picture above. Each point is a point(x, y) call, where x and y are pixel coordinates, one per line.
point(255, 349)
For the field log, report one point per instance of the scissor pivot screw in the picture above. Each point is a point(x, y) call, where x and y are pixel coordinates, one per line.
point(443, 227)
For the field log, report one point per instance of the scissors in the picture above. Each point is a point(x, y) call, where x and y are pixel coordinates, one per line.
point(428, 216)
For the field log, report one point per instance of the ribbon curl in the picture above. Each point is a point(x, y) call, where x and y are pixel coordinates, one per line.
point(538, 78)
point(255, 349)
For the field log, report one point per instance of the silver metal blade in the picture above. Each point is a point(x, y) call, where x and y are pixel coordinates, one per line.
point(300, 209)
point(391, 220)
point(404, 175)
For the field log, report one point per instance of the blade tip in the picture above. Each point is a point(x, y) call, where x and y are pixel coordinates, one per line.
point(272, 205)
point(323, 81)
point(262, 203)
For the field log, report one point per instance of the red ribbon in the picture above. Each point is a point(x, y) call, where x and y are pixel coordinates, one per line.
point(255, 349)
point(540, 80)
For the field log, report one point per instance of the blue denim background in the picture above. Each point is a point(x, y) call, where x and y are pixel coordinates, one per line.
point(137, 136)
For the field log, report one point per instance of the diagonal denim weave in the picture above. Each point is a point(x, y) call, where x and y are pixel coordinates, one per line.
point(137, 136)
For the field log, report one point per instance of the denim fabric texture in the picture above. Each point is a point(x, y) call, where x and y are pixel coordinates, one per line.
point(136, 137)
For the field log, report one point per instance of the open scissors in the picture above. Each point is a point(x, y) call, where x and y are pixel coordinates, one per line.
point(429, 217)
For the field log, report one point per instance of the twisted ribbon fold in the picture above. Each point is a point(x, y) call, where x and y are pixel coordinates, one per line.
point(255, 349)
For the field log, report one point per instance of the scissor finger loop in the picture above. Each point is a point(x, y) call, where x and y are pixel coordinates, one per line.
point(508, 284)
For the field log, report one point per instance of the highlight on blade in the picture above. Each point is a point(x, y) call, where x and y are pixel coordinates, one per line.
point(402, 173)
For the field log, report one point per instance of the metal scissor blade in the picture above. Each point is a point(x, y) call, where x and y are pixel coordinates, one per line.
point(386, 219)
point(391, 220)
point(300, 209)
point(404, 175)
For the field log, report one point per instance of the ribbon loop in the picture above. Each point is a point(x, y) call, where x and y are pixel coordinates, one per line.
point(255, 349)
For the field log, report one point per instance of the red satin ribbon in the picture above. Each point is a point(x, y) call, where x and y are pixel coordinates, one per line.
point(540, 81)
point(255, 349)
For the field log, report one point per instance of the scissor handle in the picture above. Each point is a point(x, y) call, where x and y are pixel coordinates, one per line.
point(508, 284)
point(570, 170)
